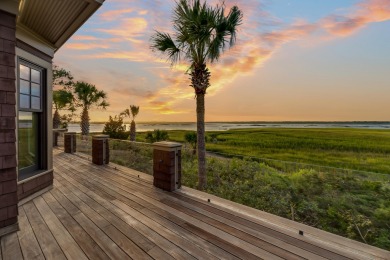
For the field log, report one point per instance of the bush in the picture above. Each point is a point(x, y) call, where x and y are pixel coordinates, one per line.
point(115, 128)
point(156, 136)
point(191, 138)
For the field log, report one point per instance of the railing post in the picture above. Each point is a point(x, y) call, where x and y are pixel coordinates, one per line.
point(70, 142)
point(56, 133)
point(100, 149)
point(167, 165)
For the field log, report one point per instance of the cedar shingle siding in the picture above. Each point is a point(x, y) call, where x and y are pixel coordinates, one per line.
point(8, 177)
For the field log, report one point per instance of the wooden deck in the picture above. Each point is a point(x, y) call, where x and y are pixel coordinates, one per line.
point(115, 213)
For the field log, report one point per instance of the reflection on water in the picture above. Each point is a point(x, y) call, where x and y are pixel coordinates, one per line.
point(142, 127)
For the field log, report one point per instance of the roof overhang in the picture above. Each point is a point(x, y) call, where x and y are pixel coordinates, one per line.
point(53, 22)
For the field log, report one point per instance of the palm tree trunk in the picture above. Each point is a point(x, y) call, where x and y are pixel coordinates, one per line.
point(200, 108)
point(132, 131)
point(56, 120)
point(84, 122)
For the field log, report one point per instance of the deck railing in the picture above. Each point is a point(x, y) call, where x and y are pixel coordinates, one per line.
point(343, 201)
point(139, 156)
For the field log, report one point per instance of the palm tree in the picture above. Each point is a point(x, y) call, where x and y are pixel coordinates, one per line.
point(88, 96)
point(61, 99)
point(132, 112)
point(201, 35)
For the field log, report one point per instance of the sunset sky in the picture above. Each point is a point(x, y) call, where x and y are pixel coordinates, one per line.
point(294, 60)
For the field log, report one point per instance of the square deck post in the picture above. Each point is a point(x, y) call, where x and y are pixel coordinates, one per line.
point(100, 149)
point(167, 165)
point(70, 142)
point(56, 134)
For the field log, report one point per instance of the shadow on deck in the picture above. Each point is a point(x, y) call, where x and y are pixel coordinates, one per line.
point(96, 212)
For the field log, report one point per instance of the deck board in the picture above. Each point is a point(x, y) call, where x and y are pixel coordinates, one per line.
point(10, 247)
point(104, 241)
point(87, 244)
point(46, 240)
point(111, 212)
point(28, 241)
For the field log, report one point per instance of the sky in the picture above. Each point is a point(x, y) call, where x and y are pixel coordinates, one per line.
point(294, 60)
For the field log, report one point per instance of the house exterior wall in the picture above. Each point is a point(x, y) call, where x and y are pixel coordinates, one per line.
point(8, 153)
point(24, 42)
point(18, 44)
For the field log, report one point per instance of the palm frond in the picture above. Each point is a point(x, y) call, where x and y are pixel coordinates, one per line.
point(202, 32)
point(234, 19)
point(134, 110)
point(88, 95)
point(163, 42)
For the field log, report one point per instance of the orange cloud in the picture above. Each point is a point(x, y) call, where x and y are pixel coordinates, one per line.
point(134, 56)
point(129, 28)
point(163, 107)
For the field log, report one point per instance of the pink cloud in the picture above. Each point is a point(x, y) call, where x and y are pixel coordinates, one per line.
point(366, 12)
point(115, 14)
point(84, 38)
point(87, 46)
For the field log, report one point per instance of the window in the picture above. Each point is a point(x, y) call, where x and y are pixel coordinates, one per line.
point(30, 83)
point(32, 125)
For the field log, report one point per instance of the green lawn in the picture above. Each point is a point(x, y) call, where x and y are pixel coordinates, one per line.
point(358, 149)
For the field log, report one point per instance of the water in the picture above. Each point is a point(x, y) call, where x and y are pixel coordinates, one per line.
point(223, 126)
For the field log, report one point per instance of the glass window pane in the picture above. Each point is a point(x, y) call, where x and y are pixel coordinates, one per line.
point(24, 101)
point(35, 103)
point(35, 76)
point(27, 139)
point(24, 87)
point(35, 89)
point(24, 72)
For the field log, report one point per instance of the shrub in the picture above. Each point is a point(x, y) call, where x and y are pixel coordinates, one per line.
point(115, 128)
point(156, 136)
point(191, 138)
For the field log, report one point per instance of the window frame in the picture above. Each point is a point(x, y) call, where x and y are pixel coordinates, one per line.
point(37, 68)
point(42, 124)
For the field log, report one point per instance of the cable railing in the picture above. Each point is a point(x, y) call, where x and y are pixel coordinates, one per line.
point(134, 155)
point(139, 156)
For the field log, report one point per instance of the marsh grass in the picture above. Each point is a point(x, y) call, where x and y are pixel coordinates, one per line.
point(356, 149)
